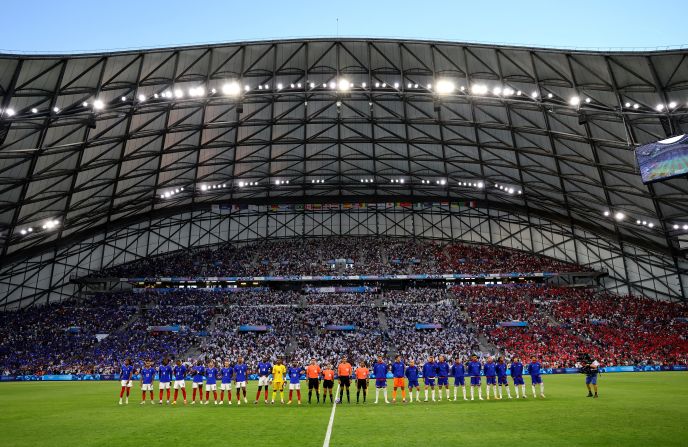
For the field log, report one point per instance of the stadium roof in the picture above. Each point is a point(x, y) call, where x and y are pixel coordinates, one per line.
point(92, 141)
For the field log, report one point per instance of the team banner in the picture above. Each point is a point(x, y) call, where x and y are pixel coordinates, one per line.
point(171, 328)
point(425, 326)
point(514, 324)
point(359, 289)
point(252, 328)
point(340, 327)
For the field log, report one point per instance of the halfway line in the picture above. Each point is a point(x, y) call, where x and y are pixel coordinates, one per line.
point(328, 433)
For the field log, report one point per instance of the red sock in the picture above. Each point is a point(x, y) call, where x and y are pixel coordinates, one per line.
point(168, 394)
point(207, 395)
point(291, 393)
point(266, 393)
point(298, 395)
point(214, 396)
point(176, 393)
point(121, 393)
point(143, 398)
point(258, 394)
point(194, 395)
point(128, 391)
point(222, 395)
point(151, 393)
point(161, 395)
point(184, 393)
point(229, 395)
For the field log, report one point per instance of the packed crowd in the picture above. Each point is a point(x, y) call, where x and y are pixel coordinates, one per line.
point(564, 322)
point(337, 255)
point(95, 333)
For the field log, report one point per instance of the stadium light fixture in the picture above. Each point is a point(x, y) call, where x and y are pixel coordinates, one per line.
point(377, 85)
point(98, 104)
point(396, 85)
point(10, 112)
point(279, 86)
point(34, 110)
point(588, 100)
point(627, 105)
point(344, 85)
point(142, 97)
point(231, 88)
point(659, 107)
point(574, 101)
point(291, 85)
point(519, 93)
point(651, 225)
point(384, 85)
point(298, 85)
point(429, 86)
point(23, 232)
point(332, 85)
point(155, 95)
point(508, 91)
point(619, 216)
point(123, 98)
point(178, 93)
point(606, 214)
point(56, 109)
point(672, 104)
point(685, 227)
point(550, 96)
point(444, 87)
point(636, 106)
point(84, 104)
point(364, 85)
point(534, 95)
point(675, 227)
point(312, 85)
point(497, 91)
point(478, 89)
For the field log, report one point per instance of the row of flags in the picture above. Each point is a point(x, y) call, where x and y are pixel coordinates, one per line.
point(232, 208)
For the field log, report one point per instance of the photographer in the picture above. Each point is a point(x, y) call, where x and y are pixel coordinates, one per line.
point(591, 369)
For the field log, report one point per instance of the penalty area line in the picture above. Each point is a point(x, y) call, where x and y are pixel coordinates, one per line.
point(328, 433)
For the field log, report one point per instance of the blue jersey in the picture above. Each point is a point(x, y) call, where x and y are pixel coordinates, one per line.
point(165, 372)
point(126, 372)
point(198, 374)
point(443, 369)
point(240, 371)
point(380, 370)
point(147, 375)
point(457, 370)
point(474, 368)
point(490, 369)
point(294, 374)
point(211, 376)
point(517, 369)
point(412, 373)
point(501, 369)
point(430, 370)
point(534, 368)
point(179, 372)
point(264, 369)
point(398, 370)
point(227, 374)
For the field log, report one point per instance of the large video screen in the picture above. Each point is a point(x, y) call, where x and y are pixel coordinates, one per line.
point(663, 159)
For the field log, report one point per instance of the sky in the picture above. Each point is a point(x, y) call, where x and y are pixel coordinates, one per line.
point(78, 25)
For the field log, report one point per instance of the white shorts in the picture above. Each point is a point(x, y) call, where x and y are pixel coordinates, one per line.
point(211, 387)
point(226, 386)
point(197, 385)
point(147, 387)
point(126, 383)
point(263, 381)
point(241, 384)
point(179, 384)
point(294, 386)
point(164, 386)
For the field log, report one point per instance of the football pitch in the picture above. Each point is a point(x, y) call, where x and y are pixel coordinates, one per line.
point(634, 409)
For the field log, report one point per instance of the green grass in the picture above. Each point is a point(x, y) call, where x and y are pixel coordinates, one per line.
point(645, 409)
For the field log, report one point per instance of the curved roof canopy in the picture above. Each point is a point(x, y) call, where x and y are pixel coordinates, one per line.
point(95, 140)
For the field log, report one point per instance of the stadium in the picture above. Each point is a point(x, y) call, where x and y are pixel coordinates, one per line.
point(313, 199)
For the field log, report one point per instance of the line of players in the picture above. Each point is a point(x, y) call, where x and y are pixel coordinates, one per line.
point(435, 375)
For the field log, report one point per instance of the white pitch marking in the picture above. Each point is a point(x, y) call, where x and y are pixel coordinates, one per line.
point(328, 433)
